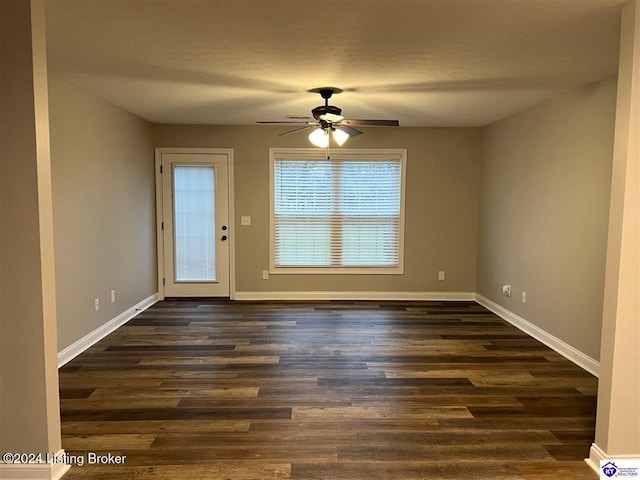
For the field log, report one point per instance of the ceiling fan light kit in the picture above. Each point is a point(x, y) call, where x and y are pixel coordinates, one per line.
point(340, 136)
point(329, 120)
point(319, 137)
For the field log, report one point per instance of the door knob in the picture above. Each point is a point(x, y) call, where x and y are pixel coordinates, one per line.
point(223, 238)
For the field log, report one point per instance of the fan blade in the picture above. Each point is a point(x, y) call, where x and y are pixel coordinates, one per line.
point(295, 131)
point(278, 122)
point(331, 117)
point(373, 123)
point(352, 132)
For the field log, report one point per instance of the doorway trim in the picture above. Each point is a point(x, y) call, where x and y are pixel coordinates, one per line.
point(159, 208)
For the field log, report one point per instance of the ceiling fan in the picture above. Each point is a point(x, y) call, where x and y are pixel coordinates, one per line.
point(328, 121)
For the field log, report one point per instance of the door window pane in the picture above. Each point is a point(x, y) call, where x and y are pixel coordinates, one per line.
point(195, 235)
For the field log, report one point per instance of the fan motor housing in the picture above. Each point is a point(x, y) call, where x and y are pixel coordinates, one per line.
point(324, 109)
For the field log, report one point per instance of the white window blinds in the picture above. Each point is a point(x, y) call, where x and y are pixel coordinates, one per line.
point(340, 213)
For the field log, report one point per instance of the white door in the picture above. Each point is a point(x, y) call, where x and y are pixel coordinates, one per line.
point(195, 223)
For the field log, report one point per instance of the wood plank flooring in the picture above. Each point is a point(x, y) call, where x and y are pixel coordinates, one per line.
point(208, 389)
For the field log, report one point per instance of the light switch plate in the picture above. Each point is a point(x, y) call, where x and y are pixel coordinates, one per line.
point(245, 220)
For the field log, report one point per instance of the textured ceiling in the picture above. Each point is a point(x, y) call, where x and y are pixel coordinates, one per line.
point(424, 62)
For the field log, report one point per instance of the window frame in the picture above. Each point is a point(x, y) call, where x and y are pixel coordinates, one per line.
point(342, 155)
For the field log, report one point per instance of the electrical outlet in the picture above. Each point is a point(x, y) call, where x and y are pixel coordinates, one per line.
point(441, 275)
point(265, 274)
point(506, 290)
point(524, 297)
point(113, 296)
point(245, 220)
point(97, 304)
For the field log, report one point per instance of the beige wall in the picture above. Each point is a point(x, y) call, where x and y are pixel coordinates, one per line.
point(544, 211)
point(104, 204)
point(618, 417)
point(29, 404)
point(441, 205)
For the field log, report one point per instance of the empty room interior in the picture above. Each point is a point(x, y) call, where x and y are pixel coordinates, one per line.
point(194, 285)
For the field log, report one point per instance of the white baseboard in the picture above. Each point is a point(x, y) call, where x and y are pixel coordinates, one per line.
point(576, 356)
point(34, 471)
point(363, 295)
point(75, 349)
point(596, 454)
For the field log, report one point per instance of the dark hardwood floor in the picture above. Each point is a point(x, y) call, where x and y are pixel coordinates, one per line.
point(329, 390)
